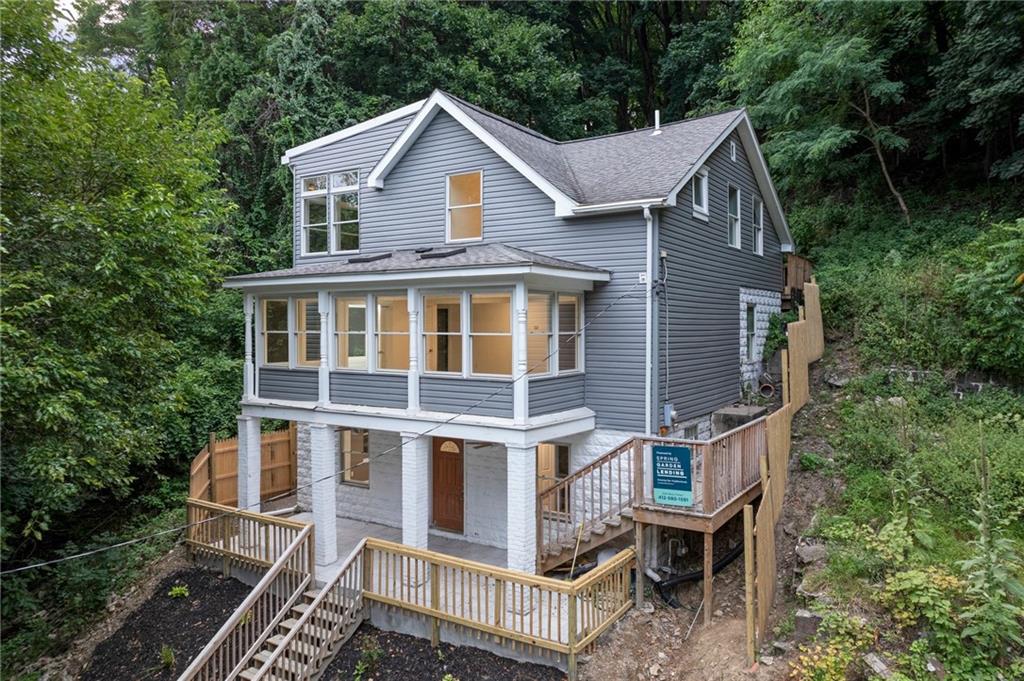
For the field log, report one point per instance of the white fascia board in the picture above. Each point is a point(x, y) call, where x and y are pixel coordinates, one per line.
point(699, 164)
point(563, 204)
point(620, 206)
point(467, 427)
point(455, 275)
point(397, 114)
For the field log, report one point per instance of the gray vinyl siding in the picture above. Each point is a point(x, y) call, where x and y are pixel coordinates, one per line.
point(371, 390)
point(704, 278)
point(461, 394)
point(289, 384)
point(557, 393)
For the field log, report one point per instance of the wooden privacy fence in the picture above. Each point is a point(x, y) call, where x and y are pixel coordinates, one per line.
point(806, 344)
point(213, 475)
point(506, 607)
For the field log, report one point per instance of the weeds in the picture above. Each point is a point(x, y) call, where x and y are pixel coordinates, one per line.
point(166, 656)
point(370, 655)
point(178, 591)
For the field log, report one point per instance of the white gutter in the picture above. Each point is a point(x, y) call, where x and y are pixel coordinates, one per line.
point(648, 324)
point(615, 206)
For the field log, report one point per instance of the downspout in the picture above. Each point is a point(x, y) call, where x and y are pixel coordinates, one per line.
point(649, 323)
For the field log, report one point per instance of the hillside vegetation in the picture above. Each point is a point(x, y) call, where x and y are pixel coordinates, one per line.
point(141, 153)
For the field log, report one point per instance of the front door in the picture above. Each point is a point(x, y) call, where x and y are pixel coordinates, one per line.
point(448, 484)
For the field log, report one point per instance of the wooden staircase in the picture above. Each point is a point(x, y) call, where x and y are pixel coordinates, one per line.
point(590, 507)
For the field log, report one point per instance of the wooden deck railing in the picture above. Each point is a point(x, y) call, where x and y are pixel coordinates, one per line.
point(284, 548)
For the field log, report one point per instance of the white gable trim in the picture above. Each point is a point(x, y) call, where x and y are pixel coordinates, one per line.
point(438, 102)
point(397, 114)
point(757, 165)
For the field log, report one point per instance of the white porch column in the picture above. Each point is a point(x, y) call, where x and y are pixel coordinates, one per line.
point(413, 302)
point(520, 389)
point(249, 373)
point(415, 489)
point(323, 448)
point(249, 445)
point(521, 514)
point(324, 375)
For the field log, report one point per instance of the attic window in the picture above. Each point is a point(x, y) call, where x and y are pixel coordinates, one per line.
point(732, 150)
point(465, 210)
point(700, 193)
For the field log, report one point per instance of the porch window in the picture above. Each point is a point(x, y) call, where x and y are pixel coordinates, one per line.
point(491, 333)
point(734, 217)
point(392, 333)
point(568, 332)
point(465, 206)
point(275, 332)
point(758, 226)
point(538, 340)
point(350, 333)
point(307, 332)
point(442, 333)
point(354, 456)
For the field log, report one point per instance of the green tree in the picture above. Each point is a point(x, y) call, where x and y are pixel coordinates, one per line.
point(109, 206)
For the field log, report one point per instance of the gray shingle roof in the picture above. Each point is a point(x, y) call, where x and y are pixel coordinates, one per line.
point(618, 167)
point(471, 256)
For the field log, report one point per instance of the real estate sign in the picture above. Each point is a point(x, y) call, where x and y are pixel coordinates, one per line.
point(673, 482)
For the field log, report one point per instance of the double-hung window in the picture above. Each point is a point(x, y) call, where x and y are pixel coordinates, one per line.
point(275, 332)
point(568, 332)
point(538, 333)
point(751, 328)
point(392, 334)
point(350, 333)
point(354, 456)
point(490, 334)
point(733, 224)
point(442, 333)
point(465, 211)
point(330, 213)
point(700, 192)
point(758, 206)
point(307, 332)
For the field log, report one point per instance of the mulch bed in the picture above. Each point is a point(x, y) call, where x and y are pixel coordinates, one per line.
point(408, 658)
point(185, 624)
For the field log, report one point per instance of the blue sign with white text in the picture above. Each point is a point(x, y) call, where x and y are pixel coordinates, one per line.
point(673, 483)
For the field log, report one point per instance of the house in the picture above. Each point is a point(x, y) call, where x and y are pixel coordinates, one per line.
point(475, 310)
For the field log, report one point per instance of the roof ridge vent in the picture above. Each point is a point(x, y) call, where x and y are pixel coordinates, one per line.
point(657, 123)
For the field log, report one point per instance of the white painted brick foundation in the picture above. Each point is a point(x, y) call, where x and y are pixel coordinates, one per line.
point(323, 447)
point(415, 490)
point(522, 508)
point(249, 445)
point(766, 303)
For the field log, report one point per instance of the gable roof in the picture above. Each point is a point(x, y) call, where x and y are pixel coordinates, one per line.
point(621, 171)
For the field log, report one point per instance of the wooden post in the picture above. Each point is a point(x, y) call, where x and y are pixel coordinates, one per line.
point(708, 451)
point(435, 605)
point(572, 637)
point(293, 454)
point(748, 582)
point(638, 471)
point(709, 543)
point(785, 376)
point(211, 448)
point(367, 579)
point(638, 532)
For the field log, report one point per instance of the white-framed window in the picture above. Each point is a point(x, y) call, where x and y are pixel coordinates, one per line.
point(350, 333)
point(442, 333)
point(354, 456)
point(733, 221)
point(699, 184)
point(490, 334)
point(758, 210)
point(569, 312)
point(392, 333)
point(538, 333)
point(274, 325)
point(307, 332)
point(464, 217)
point(732, 149)
point(751, 330)
point(690, 433)
point(330, 212)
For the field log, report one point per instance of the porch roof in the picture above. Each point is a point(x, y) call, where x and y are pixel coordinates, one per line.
point(477, 260)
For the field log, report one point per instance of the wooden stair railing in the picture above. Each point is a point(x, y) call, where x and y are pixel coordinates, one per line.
point(596, 499)
point(254, 621)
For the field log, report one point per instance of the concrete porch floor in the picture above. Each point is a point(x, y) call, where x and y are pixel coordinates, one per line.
point(350, 532)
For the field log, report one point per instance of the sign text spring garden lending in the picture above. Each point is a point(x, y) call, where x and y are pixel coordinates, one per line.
point(673, 480)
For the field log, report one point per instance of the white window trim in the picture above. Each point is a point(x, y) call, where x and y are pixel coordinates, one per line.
point(729, 218)
point(732, 150)
point(329, 192)
point(750, 319)
point(371, 328)
point(465, 331)
point(552, 335)
point(757, 208)
point(335, 334)
point(700, 210)
point(342, 469)
point(448, 207)
point(579, 336)
point(463, 302)
point(292, 331)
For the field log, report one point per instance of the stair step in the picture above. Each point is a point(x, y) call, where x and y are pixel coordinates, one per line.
point(284, 663)
point(613, 521)
point(598, 529)
point(312, 630)
point(250, 673)
point(627, 513)
point(311, 594)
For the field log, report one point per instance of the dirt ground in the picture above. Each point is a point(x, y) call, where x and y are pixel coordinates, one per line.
point(387, 656)
point(653, 645)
